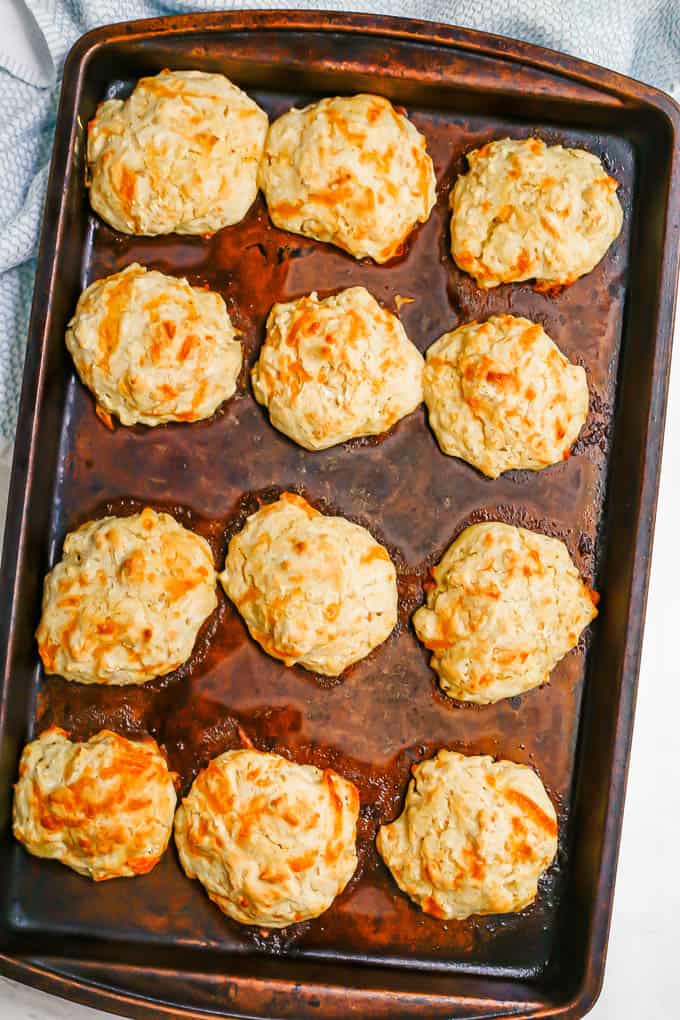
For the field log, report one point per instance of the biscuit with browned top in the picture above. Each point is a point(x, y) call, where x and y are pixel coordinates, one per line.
point(474, 837)
point(312, 589)
point(504, 606)
point(152, 348)
point(126, 601)
point(501, 395)
point(103, 807)
point(351, 171)
point(180, 155)
point(526, 210)
point(272, 842)
point(336, 369)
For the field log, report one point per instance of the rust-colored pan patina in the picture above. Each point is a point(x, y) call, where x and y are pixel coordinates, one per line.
point(156, 946)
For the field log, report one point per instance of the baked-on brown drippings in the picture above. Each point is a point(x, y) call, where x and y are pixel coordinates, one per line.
point(386, 711)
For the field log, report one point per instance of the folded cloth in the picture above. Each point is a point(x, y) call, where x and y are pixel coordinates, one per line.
point(640, 38)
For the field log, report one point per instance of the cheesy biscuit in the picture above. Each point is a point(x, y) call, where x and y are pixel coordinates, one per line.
point(103, 807)
point(272, 842)
point(350, 171)
point(152, 348)
point(501, 395)
point(336, 369)
point(179, 156)
point(474, 836)
point(526, 210)
point(312, 589)
point(505, 605)
point(126, 601)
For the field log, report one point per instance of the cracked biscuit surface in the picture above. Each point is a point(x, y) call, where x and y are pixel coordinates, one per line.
point(335, 369)
point(272, 842)
point(504, 606)
point(312, 589)
point(152, 348)
point(526, 210)
point(103, 807)
point(474, 836)
point(180, 155)
point(126, 601)
point(501, 395)
point(350, 171)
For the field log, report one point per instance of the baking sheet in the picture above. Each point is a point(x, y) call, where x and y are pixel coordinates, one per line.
point(386, 712)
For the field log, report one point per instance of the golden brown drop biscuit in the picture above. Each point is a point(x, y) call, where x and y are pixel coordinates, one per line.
point(179, 156)
point(152, 348)
point(272, 842)
point(505, 605)
point(501, 395)
point(350, 171)
point(336, 369)
point(314, 590)
point(526, 210)
point(103, 807)
point(126, 601)
point(474, 837)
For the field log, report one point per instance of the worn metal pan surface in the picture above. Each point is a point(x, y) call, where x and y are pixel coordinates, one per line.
point(156, 946)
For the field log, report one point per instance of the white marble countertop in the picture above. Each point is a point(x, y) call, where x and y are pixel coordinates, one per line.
point(640, 976)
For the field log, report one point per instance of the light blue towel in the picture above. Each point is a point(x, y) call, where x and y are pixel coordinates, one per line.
point(638, 37)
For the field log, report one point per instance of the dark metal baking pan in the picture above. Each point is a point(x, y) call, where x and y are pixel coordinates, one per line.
point(156, 946)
